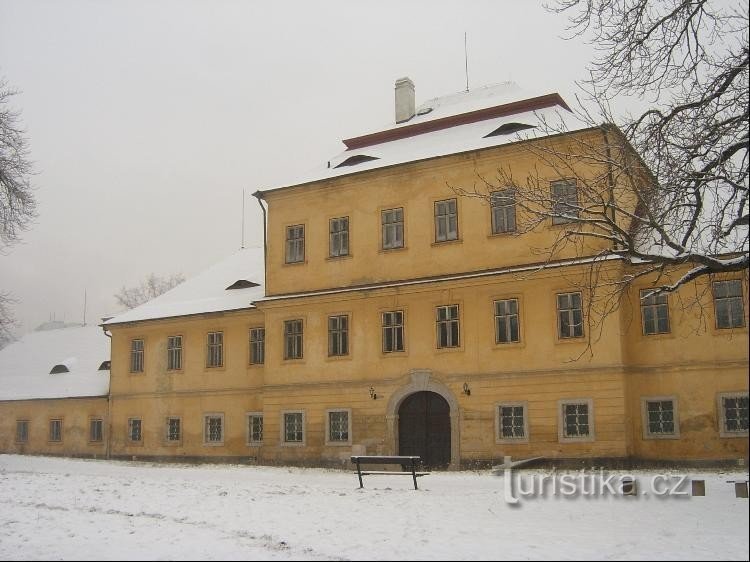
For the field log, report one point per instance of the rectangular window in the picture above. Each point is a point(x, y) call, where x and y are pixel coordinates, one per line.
point(293, 339)
point(254, 428)
point(293, 427)
point(257, 346)
point(565, 207)
point(446, 220)
point(213, 429)
point(136, 356)
point(295, 243)
point(96, 430)
point(734, 414)
point(134, 430)
point(174, 353)
point(393, 228)
point(503, 205)
point(338, 234)
point(507, 329)
point(576, 423)
point(22, 431)
point(655, 313)
point(730, 310)
point(338, 426)
point(447, 326)
point(55, 430)
point(660, 418)
point(215, 349)
point(511, 422)
point(393, 331)
point(570, 315)
point(338, 335)
point(174, 430)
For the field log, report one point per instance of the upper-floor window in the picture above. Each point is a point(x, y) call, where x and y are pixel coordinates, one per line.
point(446, 220)
point(338, 237)
point(55, 430)
point(393, 228)
point(503, 205)
point(136, 356)
point(393, 331)
point(655, 312)
point(447, 326)
point(570, 315)
point(295, 243)
point(293, 339)
point(564, 201)
point(730, 310)
point(174, 353)
point(215, 349)
point(338, 335)
point(507, 329)
point(257, 346)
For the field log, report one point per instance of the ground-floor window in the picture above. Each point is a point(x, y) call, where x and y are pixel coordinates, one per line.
point(660, 417)
point(254, 429)
point(22, 431)
point(576, 421)
point(293, 428)
point(338, 427)
point(134, 430)
point(512, 422)
point(96, 430)
point(174, 430)
point(213, 429)
point(733, 414)
point(55, 430)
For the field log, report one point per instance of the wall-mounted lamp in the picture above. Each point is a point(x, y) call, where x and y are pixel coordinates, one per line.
point(467, 390)
point(373, 395)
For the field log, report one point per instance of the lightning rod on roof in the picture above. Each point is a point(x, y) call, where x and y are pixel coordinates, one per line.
point(466, 62)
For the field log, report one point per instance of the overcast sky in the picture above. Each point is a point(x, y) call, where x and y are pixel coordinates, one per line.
point(147, 119)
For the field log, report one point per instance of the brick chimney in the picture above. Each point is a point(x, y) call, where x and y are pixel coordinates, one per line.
point(405, 107)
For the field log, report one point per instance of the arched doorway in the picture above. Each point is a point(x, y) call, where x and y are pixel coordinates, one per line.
point(424, 428)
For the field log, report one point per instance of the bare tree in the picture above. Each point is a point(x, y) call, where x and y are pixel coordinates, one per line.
point(151, 287)
point(7, 321)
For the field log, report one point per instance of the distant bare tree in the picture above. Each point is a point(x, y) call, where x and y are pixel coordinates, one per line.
point(7, 321)
point(151, 287)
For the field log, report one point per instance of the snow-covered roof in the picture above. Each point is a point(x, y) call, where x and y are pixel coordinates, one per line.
point(208, 291)
point(25, 365)
point(456, 123)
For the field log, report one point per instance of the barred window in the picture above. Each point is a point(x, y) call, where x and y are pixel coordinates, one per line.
point(730, 310)
point(215, 349)
point(660, 417)
point(338, 426)
point(293, 339)
point(255, 428)
point(213, 429)
point(446, 220)
point(575, 419)
point(174, 430)
point(55, 430)
point(136, 356)
point(174, 353)
point(507, 329)
point(655, 313)
point(511, 421)
point(338, 335)
point(134, 430)
point(96, 430)
point(393, 228)
point(734, 413)
point(338, 230)
point(565, 207)
point(447, 326)
point(257, 346)
point(293, 427)
point(22, 431)
point(393, 331)
point(570, 315)
point(503, 205)
point(295, 243)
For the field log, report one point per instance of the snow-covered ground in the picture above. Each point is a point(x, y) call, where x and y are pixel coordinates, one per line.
point(52, 508)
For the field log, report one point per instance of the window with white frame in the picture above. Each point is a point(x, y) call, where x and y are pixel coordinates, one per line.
point(660, 417)
point(393, 331)
point(392, 221)
point(507, 327)
point(293, 428)
point(447, 326)
point(96, 430)
point(136, 356)
point(512, 423)
point(55, 430)
point(295, 243)
point(213, 429)
point(338, 335)
point(654, 312)
point(215, 349)
point(570, 315)
point(338, 237)
point(174, 353)
point(576, 419)
point(338, 427)
point(174, 429)
point(135, 434)
point(728, 304)
point(257, 346)
point(733, 414)
point(446, 220)
point(565, 207)
point(503, 205)
point(293, 339)
point(22, 431)
point(255, 429)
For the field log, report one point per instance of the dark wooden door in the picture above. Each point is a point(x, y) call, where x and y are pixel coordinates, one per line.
point(424, 428)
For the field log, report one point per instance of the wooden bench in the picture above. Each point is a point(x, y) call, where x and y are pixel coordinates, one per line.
point(405, 462)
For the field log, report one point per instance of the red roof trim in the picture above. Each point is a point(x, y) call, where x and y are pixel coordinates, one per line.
point(530, 104)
